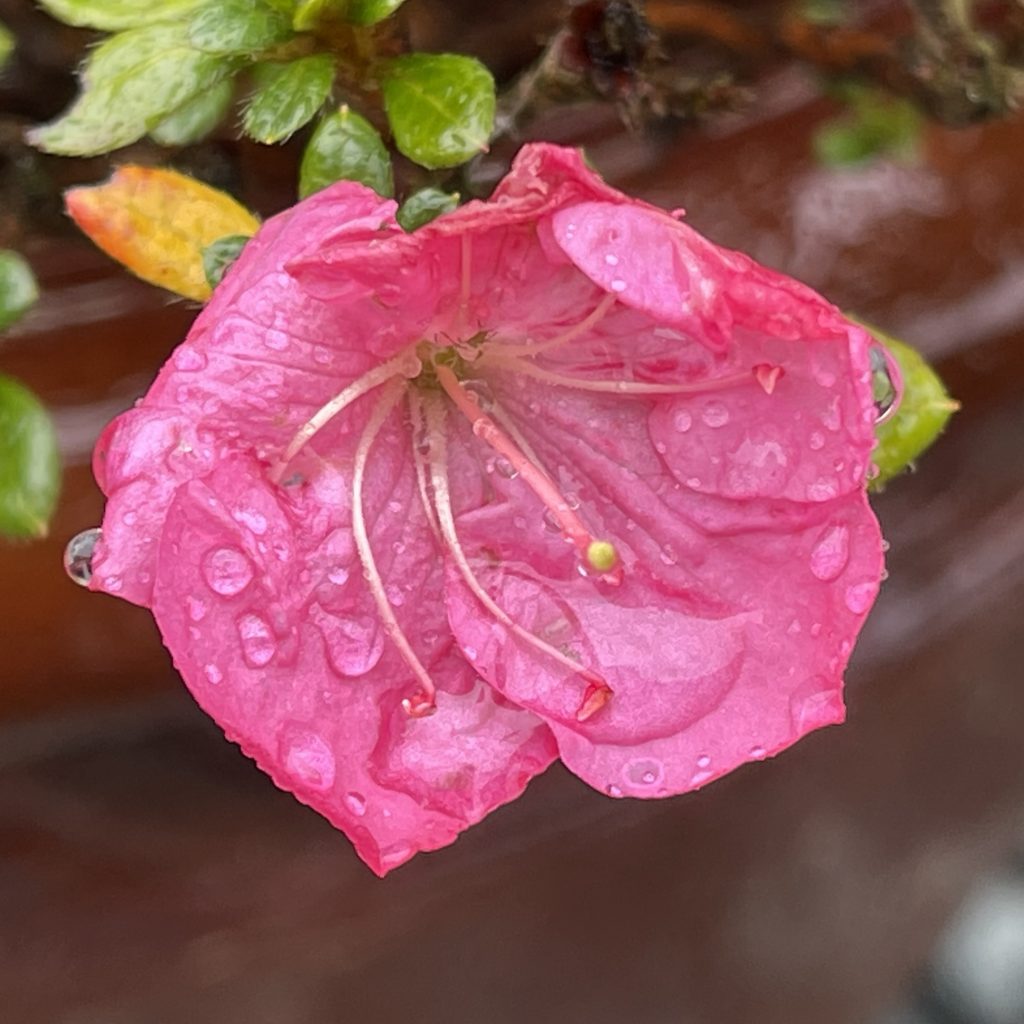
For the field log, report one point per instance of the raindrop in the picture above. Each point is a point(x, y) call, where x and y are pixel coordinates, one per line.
point(704, 761)
point(338, 575)
point(505, 468)
point(668, 555)
point(310, 760)
point(551, 521)
point(78, 555)
point(758, 753)
point(356, 803)
point(682, 421)
point(860, 595)
point(715, 414)
point(252, 519)
point(213, 674)
point(883, 386)
point(276, 340)
point(189, 360)
point(196, 608)
point(227, 571)
point(618, 285)
point(816, 441)
point(258, 644)
point(611, 259)
point(830, 555)
point(644, 771)
point(613, 790)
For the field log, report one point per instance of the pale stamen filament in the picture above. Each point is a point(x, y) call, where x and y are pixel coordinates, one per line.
point(419, 460)
point(404, 365)
point(466, 283)
point(436, 416)
point(536, 479)
point(424, 701)
point(617, 387)
point(565, 337)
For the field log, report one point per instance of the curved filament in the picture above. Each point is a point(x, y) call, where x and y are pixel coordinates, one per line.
point(404, 365)
point(436, 415)
point(424, 701)
point(565, 337)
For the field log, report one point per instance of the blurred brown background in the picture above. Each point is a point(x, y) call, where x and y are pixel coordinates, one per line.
point(148, 873)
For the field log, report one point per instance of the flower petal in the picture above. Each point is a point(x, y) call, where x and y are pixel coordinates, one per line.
point(277, 642)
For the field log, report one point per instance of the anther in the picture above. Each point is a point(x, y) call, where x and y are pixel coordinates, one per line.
point(768, 376)
point(601, 555)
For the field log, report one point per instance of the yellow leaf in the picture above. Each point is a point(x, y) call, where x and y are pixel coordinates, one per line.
point(157, 223)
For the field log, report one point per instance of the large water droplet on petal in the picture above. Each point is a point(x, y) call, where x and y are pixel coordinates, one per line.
point(643, 772)
point(883, 387)
point(78, 555)
point(356, 803)
point(258, 643)
point(310, 760)
point(860, 596)
point(830, 555)
point(715, 414)
point(227, 571)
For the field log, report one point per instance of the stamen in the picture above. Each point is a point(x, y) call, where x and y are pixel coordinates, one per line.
point(466, 285)
point(406, 365)
point(436, 415)
point(618, 387)
point(566, 336)
point(535, 478)
point(419, 461)
point(424, 701)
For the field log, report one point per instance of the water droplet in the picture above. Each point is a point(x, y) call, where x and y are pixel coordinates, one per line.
point(682, 421)
point(505, 468)
point(130, 518)
point(859, 596)
point(470, 652)
point(758, 753)
point(644, 771)
point(611, 259)
point(322, 355)
point(551, 521)
point(394, 507)
point(613, 790)
point(277, 340)
point(715, 414)
point(822, 490)
point(354, 645)
point(830, 555)
point(618, 285)
point(258, 643)
point(113, 584)
point(883, 387)
point(338, 575)
point(480, 392)
point(815, 629)
point(196, 608)
point(251, 519)
point(668, 555)
point(395, 595)
point(227, 571)
point(78, 555)
point(189, 360)
point(310, 760)
point(816, 441)
point(704, 761)
point(356, 803)
point(213, 674)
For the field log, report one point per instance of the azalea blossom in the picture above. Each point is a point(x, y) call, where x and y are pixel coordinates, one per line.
point(552, 477)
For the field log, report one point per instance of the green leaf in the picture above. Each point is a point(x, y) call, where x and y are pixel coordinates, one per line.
point(6, 43)
point(345, 146)
point(115, 15)
point(369, 12)
point(423, 206)
point(920, 418)
point(194, 120)
point(440, 105)
point(29, 464)
point(129, 85)
point(874, 124)
point(309, 13)
point(287, 96)
point(236, 27)
point(219, 255)
point(18, 288)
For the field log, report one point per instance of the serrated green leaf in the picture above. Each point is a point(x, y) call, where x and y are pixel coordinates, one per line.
point(423, 206)
point(287, 96)
point(194, 120)
point(369, 12)
point(345, 146)
point(922, 414)
point(309, 13)
point(29, 464)
point(219, 255)
point(18, 288)
point(129, 85)
point(440, 106)
point(238, 27)
point(6, 44)
point(115, 15)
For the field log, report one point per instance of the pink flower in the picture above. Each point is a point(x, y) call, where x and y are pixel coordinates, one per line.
point(552, 477)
